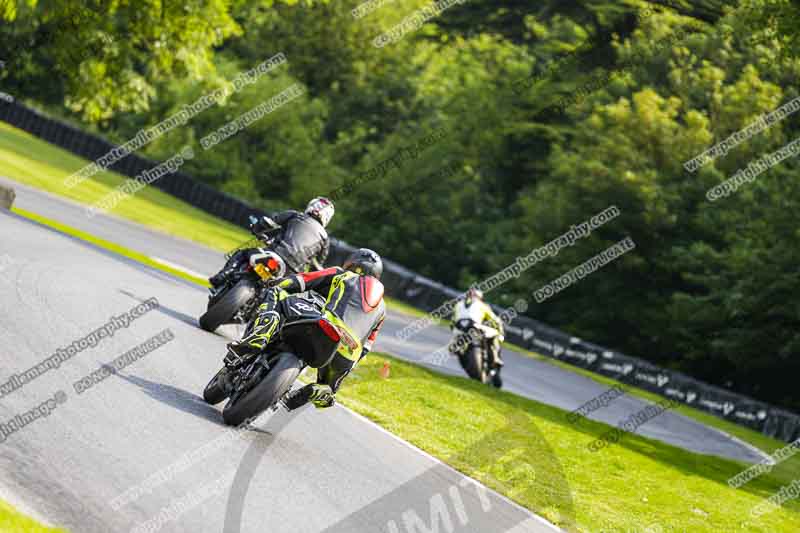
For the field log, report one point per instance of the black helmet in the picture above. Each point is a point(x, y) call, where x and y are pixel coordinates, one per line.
point(366, 262)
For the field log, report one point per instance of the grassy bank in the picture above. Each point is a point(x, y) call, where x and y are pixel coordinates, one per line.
point(527, 451)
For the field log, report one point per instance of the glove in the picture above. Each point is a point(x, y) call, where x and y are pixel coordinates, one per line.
point(272, 282)
point(262, 225)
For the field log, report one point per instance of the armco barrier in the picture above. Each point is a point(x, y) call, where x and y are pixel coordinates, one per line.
point(427, 294)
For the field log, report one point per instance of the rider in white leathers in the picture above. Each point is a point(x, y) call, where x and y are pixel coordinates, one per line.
point(474, 308)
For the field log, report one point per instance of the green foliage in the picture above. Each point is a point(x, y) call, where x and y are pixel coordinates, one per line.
point(102, 57)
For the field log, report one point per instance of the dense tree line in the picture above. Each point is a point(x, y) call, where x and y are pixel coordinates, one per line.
point(552, 112)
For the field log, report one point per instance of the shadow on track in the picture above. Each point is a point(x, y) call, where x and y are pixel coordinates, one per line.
point(172, 313)
point(175, 397)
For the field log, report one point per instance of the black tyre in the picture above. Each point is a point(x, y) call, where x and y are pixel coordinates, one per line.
point(223, 310)
point(472, 361)
point(214, 393)
point(497, 381)
point(266, 393)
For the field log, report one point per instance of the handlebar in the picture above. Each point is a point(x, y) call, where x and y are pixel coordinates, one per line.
point(263, 228)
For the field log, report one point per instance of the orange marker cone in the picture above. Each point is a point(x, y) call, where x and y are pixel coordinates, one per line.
point(385, 371)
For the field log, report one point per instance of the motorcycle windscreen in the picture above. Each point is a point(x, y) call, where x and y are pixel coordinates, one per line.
point(310, 343)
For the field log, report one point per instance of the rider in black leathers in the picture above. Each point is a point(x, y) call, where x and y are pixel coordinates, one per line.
point(302, 240)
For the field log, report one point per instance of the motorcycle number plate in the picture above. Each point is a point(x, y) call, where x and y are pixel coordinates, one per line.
point(262, 271)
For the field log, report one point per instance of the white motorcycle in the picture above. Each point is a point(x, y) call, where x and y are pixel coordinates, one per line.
point(471, 342)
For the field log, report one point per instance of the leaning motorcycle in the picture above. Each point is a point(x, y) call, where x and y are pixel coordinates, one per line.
point(471, 345)
point(310, 337)
point(237, 300)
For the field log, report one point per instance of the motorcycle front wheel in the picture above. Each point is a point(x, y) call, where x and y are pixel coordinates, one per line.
point(214, 393)
point(472, 361)
point(225, 308)
point(266, 393)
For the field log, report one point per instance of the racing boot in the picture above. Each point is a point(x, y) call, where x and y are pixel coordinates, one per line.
point(266, 324)
point(321, 395)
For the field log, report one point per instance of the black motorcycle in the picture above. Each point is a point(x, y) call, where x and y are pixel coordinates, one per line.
point(237, 300)
point(471, 346)
point(258, 382)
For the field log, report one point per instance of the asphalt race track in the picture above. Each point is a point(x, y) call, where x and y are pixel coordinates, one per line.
point(329, 471)
point(309, 471)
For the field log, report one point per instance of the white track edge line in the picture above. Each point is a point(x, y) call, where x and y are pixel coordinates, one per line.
point(178, 267)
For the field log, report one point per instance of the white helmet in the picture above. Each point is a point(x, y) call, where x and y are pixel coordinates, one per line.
point(322, 209)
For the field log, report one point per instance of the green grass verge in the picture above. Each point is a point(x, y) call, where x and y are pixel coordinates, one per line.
point(12, 521)
point(526, 450)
